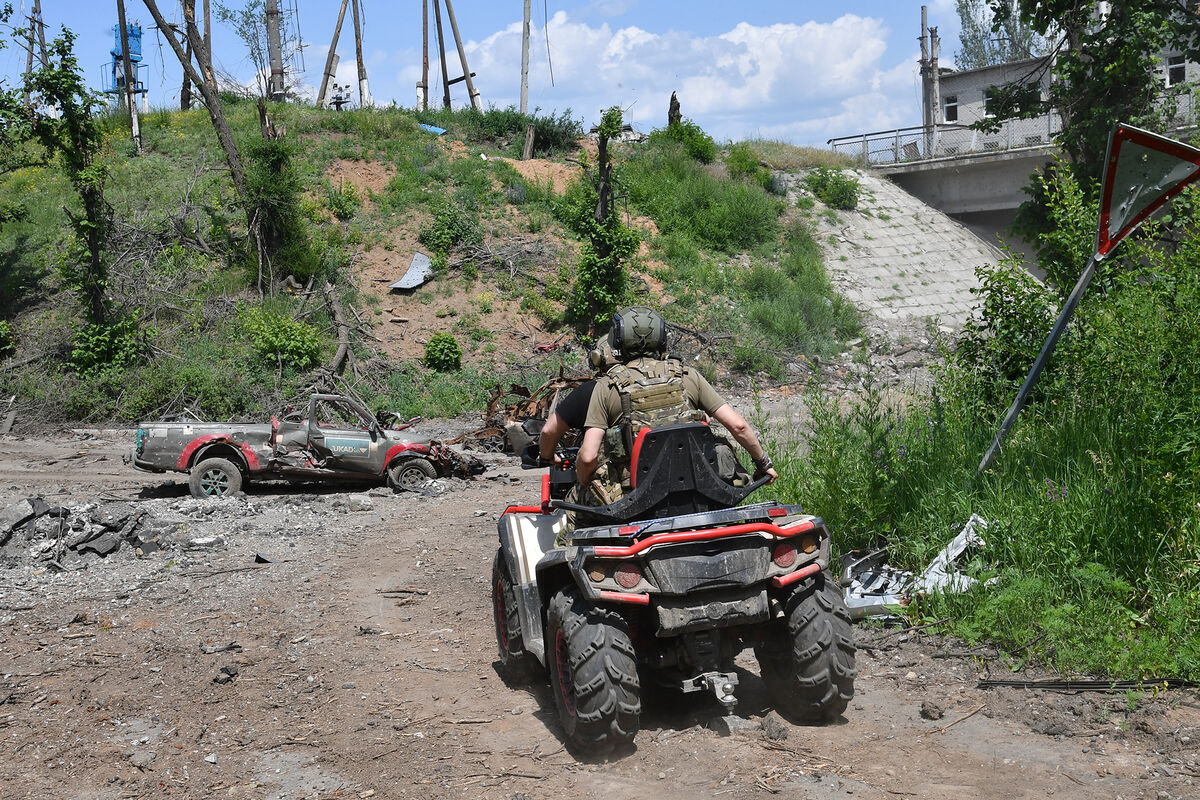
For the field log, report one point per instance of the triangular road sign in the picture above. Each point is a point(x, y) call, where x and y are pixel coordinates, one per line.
point(1142, 171)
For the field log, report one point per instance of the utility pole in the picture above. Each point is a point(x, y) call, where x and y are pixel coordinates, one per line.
point(437, 15)
point(462, 57)
point(935, 91)
point(274, 53)
point(525, 61)
point(423, 86)
point(130, 79)
point(364, 91)
point(332, 59)
point(41, 29)
point(926, 85)
point(34, 14)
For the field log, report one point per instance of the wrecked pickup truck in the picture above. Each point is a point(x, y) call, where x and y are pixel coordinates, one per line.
point(335, 438)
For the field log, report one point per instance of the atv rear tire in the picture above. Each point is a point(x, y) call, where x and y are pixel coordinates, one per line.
point(214, 477)
point(516, 665)
point(808, 663)
point(593, 674)
point(410, 473)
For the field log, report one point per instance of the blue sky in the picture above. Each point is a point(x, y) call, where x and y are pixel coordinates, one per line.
point(797, 71)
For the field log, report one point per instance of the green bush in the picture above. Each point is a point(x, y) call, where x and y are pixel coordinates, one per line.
point(698, 144)
point(743, 163)
point(552, 133)
point(273, 190)
point(451, 225)
point(833, 187)
point(442, 353)
point(8, 344)
point(999, 343)
point(278, 337)
point(343, 203)
point(108, 347)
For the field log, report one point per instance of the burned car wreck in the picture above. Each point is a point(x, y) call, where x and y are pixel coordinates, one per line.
point(334, 438)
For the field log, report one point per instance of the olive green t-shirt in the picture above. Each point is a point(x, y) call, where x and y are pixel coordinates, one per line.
point(604, 410)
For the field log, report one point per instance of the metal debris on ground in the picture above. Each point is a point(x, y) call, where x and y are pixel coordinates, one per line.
point(505, 426)
point(873, 588)
point(10, 416)
point(420, 270)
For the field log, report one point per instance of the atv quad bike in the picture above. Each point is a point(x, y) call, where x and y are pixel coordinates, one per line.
point(666, 586)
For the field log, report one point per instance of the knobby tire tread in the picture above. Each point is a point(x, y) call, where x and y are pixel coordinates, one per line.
point(601, 669)
point(808, 666)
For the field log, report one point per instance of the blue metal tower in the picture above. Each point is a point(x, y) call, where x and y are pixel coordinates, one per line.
point(114, 75)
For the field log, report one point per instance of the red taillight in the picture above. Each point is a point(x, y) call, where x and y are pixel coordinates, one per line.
point(628, 575)
point(777, 512)
point(784, 554)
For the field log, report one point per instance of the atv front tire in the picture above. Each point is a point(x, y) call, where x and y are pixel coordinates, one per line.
point(808, 663)
point(410, 473)
point(593, 674)
point(214, 477)
point(516, 665)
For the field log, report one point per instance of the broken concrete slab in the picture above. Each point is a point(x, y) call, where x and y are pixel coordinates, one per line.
point(21, 512)
point(102, 545)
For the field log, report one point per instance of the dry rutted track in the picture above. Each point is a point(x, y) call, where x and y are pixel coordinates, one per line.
point(365, 665)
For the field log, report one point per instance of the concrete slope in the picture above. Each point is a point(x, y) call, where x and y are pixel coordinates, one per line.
point(899, 260)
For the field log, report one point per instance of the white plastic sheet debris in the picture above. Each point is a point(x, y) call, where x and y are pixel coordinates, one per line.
point(419, 271)
point(872, 588)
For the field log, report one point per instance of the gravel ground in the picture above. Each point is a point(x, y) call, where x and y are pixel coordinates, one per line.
point(317, 644)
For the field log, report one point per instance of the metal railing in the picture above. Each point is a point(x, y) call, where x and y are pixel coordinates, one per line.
point(925, 143)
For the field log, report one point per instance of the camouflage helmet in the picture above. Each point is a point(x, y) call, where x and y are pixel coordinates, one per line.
point(638, 331)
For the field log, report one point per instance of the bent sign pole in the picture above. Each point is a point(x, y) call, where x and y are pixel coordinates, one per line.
point(1142, 172)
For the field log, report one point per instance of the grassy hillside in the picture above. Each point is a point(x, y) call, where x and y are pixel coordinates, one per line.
point(358, 193)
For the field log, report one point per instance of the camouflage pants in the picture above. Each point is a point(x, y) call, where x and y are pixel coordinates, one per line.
point(578, 519)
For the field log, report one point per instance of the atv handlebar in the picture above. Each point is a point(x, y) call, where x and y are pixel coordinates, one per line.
point(531, 458)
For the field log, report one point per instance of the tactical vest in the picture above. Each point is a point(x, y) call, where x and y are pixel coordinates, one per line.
point(651, 396)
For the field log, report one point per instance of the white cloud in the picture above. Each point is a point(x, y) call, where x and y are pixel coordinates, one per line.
point(804, 82)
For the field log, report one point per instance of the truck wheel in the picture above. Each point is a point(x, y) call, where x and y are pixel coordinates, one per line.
point(214, 477)
point(410, 473)
point(516, 665)
point(593, 674)
point(808, 663)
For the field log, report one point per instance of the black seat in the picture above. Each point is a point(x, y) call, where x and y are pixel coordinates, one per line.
point(674, 471)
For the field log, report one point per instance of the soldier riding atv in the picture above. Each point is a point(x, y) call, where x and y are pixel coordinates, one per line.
point(667, 579)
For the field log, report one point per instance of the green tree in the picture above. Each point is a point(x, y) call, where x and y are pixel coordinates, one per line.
point(1105, 67)
point(61, 119)
point(602, 277)
point(985, 39)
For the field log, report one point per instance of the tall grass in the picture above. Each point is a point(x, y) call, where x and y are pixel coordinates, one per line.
point(681, 196)
point(1094, 525)
point(1095, 576)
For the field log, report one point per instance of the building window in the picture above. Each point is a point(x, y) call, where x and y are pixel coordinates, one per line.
point(989, 103)
point(950, 108)
point(1176, 72)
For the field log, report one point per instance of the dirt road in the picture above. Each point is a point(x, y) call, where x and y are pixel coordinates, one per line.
point(362, 666)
